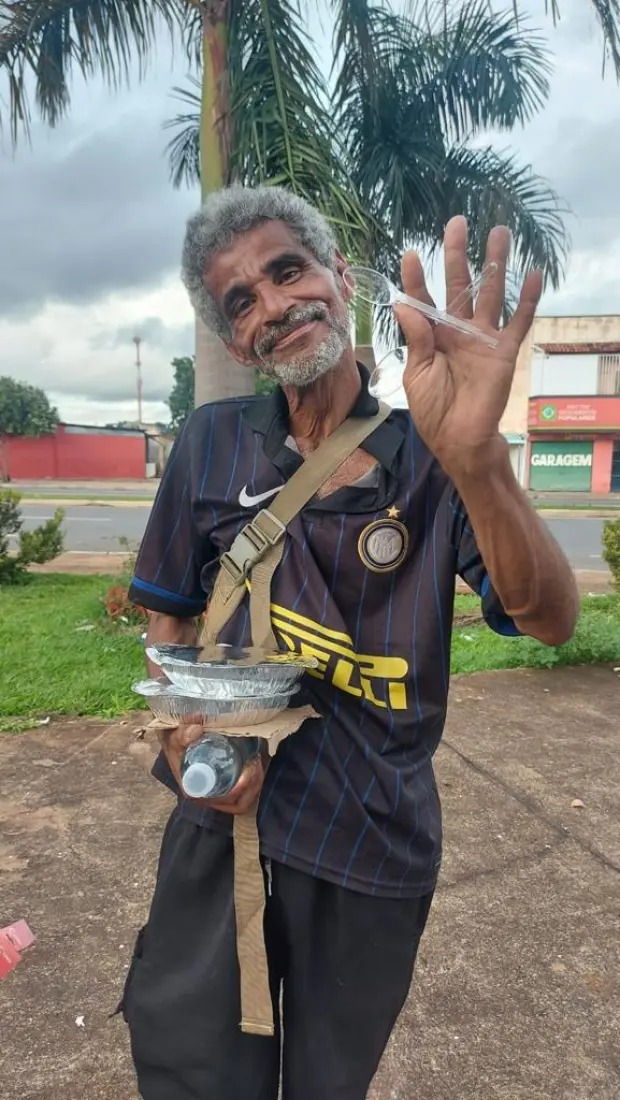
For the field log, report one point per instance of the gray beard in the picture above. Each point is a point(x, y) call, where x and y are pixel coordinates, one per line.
point(306, 367)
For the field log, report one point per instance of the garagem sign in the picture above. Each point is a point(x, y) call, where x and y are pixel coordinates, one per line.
point(561, 460)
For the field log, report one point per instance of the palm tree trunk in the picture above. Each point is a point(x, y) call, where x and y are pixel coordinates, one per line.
point(217, 375)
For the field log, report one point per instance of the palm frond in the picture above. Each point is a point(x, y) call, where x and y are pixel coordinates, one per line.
point(483, 69)
point(183, 150)
point(367, 39)
point(43, 41)
point(490, 188)
point(281, 120)
point(283, 132)
point(190, 21)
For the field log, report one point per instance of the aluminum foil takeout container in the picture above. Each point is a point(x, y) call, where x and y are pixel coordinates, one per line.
point(227, 672)
point(168, 703)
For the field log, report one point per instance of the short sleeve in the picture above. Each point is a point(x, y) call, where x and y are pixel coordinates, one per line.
point(172, 553)
point(471, 568)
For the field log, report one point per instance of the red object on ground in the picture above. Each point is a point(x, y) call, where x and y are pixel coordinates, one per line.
point(9, 955)
point(14, 939)
point(20, 935)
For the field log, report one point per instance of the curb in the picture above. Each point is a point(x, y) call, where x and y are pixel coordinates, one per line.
point(73, 502)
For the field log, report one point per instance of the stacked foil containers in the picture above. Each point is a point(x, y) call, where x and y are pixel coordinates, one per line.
point(221, 686)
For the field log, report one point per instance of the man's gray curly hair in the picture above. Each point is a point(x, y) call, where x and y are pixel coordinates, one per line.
point(234, 210)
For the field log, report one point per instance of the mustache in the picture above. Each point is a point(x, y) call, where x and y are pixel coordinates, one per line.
point(296, 316)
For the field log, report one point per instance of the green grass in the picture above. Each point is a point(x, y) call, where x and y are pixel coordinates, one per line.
point(596, 641)
point(50, 667)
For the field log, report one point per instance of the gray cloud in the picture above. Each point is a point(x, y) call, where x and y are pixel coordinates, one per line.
point(89, 208)
point(584, 158)
point(121, 387)
point(153, 332)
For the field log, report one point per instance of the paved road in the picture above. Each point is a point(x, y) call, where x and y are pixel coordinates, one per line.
point(99, 528)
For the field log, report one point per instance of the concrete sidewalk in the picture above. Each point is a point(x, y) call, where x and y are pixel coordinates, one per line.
point(517, 988)
point(142, 486)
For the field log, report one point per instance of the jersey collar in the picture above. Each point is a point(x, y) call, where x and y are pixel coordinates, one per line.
point(269, 417)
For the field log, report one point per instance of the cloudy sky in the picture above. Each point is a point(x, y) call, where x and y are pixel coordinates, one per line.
point(90, 227)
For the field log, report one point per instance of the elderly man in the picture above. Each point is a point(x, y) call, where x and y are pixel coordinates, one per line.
point(349, 816)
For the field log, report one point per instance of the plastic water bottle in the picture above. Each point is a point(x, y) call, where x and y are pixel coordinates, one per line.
point(212, 766)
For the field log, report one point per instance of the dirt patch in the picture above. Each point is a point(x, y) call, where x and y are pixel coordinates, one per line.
point(516, 991)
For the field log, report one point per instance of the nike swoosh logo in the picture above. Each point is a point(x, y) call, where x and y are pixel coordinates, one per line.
point(250, 502)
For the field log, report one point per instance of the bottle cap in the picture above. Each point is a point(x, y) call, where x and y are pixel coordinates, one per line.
point(199, 780)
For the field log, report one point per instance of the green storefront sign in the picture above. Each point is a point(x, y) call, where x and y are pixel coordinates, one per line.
point(561, 467)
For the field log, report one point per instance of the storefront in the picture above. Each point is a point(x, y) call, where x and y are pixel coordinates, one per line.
point(574, 444)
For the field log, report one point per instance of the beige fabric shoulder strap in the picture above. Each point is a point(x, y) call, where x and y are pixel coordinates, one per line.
point(258, 548)
point(257, 551)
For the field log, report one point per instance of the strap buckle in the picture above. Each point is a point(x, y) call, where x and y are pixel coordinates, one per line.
point(251, 545)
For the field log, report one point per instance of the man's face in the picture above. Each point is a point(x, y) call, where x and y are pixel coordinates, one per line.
point(287, 314)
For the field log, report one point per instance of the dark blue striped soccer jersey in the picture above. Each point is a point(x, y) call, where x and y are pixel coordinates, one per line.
point(366, 585)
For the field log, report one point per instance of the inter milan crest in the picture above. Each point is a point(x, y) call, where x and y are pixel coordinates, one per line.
point(383, 544)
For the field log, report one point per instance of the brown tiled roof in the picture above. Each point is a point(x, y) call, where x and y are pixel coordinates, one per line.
point(609, 348)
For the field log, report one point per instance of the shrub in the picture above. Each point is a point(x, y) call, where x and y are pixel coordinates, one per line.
point(611, 549)
point(38, 546)
point(129, 560)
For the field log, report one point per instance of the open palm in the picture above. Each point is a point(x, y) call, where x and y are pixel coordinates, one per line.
point(456, 386)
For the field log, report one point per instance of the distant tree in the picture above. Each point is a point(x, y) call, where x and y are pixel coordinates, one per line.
point(181, 400)
point(24, 410)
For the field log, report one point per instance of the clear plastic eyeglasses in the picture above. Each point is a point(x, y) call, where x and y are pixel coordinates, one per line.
point(376, 289)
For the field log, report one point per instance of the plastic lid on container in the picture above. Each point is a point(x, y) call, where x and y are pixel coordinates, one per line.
point(199, 780)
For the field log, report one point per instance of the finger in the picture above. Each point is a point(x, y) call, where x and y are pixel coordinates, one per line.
point(414, 282)
point(417, 330)
point(250, 777)
point(521, 321)
point(239, 800)
point(490, 303)
point(458, 277)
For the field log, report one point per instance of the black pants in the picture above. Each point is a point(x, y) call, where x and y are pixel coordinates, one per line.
point(342, 961)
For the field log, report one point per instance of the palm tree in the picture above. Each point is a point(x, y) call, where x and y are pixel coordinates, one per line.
point(290, 127)
point(261, 114)
point(41, 41)
point(408, 95)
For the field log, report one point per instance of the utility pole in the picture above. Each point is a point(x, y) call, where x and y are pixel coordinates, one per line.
point(137, 340)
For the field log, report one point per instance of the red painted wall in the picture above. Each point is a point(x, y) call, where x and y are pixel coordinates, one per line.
point(67, 455)
point(601, 465)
